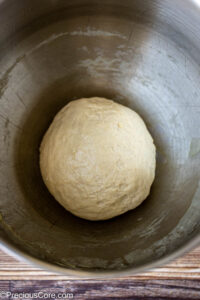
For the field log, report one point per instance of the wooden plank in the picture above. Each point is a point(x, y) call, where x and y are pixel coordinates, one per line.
point(108, 289)
point(177, 280)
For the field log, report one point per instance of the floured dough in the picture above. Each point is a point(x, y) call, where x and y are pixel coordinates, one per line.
point(97, 158)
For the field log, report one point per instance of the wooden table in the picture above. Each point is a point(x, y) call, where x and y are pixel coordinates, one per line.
point(177, 280)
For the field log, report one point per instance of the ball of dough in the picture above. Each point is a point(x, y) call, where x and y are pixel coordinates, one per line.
point(97, 158)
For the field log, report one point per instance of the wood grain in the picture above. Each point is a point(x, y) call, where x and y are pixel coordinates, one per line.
point(106, 289)
point(177, 280)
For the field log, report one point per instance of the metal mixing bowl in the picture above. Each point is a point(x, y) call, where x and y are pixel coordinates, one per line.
point(143, 54)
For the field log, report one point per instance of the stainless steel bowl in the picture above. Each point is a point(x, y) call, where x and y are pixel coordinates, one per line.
point(143, 54)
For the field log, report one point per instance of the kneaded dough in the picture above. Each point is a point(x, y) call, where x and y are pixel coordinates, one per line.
point(97, 158)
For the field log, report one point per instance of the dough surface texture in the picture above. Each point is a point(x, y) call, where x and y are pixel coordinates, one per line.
point(97, 158)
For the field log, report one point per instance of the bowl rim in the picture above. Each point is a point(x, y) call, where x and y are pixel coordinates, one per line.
point(21, 255)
